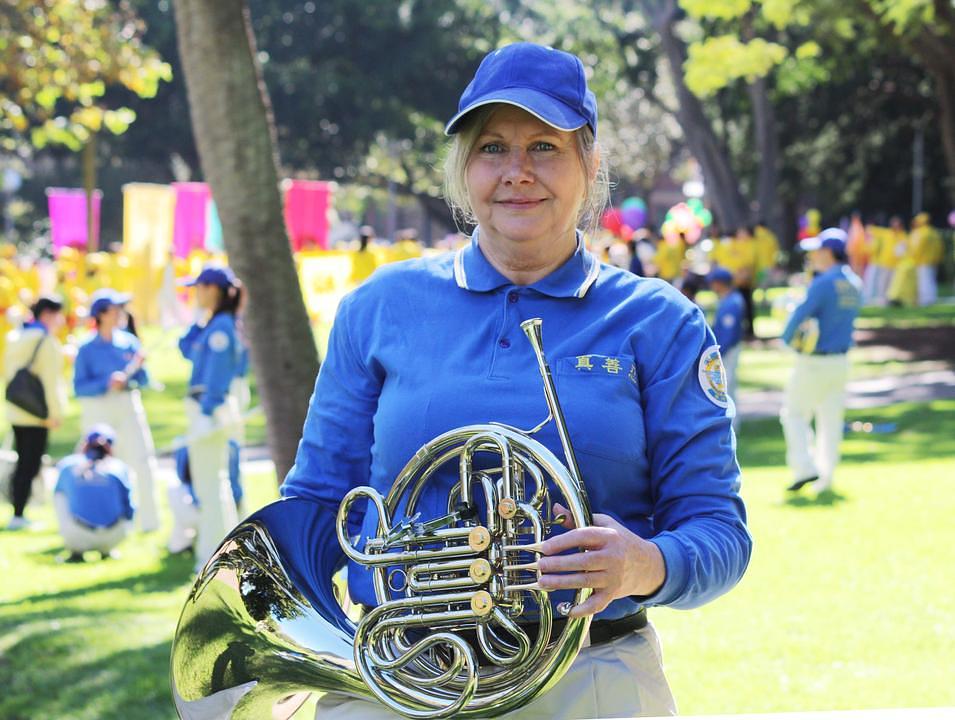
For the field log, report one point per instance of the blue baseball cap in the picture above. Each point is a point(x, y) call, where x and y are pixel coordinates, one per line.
point(103, 299)
point(719, 274)
point(833, 238)
point(213, 275)
point(549, 84)
point(101, 434)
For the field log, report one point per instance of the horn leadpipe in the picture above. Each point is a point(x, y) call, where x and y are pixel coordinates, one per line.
point(532, 329)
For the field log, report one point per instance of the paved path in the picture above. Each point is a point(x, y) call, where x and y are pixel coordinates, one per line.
point(865, 393)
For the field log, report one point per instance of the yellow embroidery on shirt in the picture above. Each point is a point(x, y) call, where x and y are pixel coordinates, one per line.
point(584, 363)
point(633, 374)
point(611, 365)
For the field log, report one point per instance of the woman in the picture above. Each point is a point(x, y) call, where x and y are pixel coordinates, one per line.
point(34, 346)
point(108, 374)
point(213, 347)
point(432, 344)
point(92, 497)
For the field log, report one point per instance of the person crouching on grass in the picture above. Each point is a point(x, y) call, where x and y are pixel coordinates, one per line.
point(92, 497)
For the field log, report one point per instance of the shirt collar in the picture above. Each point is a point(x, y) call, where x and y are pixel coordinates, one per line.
point(35, 325)
point(473, 272)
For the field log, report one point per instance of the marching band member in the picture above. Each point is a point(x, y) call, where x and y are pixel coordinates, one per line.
point(108, 374)
point(431, 344)
point(728, 325)
point(92, 497)
point(817, 387)
point(213, 347)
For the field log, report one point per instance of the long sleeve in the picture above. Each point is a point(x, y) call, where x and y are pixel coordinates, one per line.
point(49, 367)
point(86, 381)
point(698, 516)
point(219, 367)
point(187, 341)
point(808, 308)
point(334, 454)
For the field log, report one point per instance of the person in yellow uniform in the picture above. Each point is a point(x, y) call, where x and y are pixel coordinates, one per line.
point(927, 250)
point(669, 258)
point(890, 248)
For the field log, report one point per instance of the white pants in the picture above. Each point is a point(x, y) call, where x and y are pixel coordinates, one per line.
point(881, 280)
point(209, 469)
point(730, 364)
point(124, 412)
point(623, 678)
point(79, 538)
point(928, 285)
point(185, 516)
point(815, 392)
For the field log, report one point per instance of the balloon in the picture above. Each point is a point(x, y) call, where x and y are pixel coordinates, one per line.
point(951, 218)
point(634, 202)
point(612, 220)
point(633, 216)
point(625, 232)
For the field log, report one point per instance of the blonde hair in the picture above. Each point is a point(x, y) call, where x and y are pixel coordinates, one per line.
point(459, 155)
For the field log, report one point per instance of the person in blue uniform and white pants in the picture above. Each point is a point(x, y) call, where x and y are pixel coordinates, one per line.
point(435, 343)
point(106, 379)
point(92, 497)
point(212, 346)
point(728, 326)
point(816, 389)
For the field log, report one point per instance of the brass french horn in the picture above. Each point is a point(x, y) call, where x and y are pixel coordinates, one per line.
point(263, 627)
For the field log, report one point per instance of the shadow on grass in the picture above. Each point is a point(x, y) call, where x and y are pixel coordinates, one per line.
point(129, 684)
point(174, 572)
point(922, 431)
point(827, 498)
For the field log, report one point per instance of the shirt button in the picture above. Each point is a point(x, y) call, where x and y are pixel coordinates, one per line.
point(512, 297)
point(505, 343)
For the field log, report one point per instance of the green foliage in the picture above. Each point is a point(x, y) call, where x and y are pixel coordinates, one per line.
point(57, 59)
point(716, 61)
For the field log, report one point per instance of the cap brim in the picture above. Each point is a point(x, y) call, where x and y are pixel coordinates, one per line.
point(811, 243)
point(191, 282)
point(542, 106)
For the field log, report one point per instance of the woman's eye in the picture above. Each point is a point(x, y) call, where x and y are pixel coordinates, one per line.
point(542, 145)
point(492, 148)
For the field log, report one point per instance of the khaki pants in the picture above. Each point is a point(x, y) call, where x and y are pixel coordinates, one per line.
point(623, 678)
point(209, 469)
point(124, 412)
point(79, 538)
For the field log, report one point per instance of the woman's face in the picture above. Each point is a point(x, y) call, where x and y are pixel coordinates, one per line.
point(525, 181)
point(207, 296)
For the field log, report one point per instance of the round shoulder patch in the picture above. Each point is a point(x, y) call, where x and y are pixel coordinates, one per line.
point(219, 341)
point(712, 376)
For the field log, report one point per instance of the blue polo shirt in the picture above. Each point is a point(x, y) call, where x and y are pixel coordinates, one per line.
point(834, 298)
point(728, 322)
point(216, 355)
point(98, 493)
point(97, 359)
point(431, 344)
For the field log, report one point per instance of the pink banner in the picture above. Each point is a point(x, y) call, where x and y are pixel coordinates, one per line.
point(306, 213)
point(68, 218)
point(189, 225)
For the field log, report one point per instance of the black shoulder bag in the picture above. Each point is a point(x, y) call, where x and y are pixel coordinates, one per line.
point(25, 389)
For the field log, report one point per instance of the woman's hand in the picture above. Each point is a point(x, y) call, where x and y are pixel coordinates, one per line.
point(614, 562)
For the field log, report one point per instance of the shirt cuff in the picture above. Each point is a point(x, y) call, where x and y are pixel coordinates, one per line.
point(677, 571)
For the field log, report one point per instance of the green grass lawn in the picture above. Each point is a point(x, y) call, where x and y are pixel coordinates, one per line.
point(848, 602)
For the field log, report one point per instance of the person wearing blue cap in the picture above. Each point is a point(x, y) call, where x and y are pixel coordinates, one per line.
point(92, 497)
point(107, 378)
point(816, 389)
point(213, 347)
point(728, 324)
point(432, 344)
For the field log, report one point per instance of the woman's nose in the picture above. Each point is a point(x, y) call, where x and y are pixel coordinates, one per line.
point(518, 167)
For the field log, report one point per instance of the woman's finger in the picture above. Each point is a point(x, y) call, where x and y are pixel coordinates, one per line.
point(573, 581)
point(587, 562)
point(588, 538)
point(592, 605)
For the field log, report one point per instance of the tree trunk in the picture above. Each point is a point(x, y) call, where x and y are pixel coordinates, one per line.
point(944, 76)
point(722, 185)
point(235, 135)
point(767, 144)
